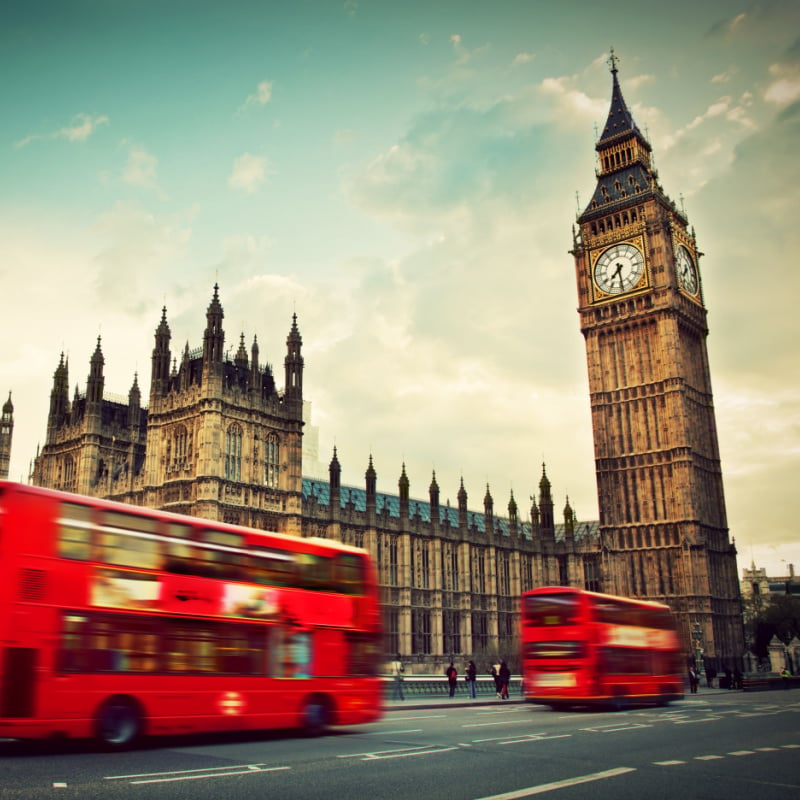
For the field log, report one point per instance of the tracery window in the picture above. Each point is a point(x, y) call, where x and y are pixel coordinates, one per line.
point(271, 460)
point(233, 452)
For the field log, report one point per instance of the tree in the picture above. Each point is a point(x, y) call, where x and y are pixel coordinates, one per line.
point(781, 618)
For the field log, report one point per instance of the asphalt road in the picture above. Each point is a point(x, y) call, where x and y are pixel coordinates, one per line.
point(711, 745)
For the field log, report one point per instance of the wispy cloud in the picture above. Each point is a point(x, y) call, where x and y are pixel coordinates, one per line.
point(80, 129)
point(248, 173)
point(261, 96)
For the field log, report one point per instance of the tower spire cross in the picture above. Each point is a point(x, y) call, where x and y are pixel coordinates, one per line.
point(613, 60)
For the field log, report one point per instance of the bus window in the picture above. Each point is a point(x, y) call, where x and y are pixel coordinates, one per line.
point(75, 531)
point(349, 574)
point(315, 571)
point(551, 609)
point(120, 545)
point(270, 569)
point(221, 563)
point(179, 553)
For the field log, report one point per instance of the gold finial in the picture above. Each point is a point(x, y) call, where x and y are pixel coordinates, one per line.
point(612, 61)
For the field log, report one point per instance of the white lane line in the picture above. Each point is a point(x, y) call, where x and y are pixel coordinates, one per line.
point(182, 772)
point(207, 775)
point(672, 763)
point(392, 733)
point(427, 716)
point(504, 722)
point(766, 749)
point(707, 758)
point(401, 752)
point(549, 787)
point(790, 746)
point(693, 721)
point(536, 739)
point(741, 753)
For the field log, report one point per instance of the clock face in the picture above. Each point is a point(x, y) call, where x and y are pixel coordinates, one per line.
point(687, 272)
point(619, 268)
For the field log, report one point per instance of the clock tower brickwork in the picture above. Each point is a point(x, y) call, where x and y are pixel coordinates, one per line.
point(663, 525)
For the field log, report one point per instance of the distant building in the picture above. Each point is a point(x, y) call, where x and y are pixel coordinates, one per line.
point(758, 589)
point(6, 434)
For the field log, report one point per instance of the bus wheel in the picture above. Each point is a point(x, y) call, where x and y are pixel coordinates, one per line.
point(315, 717)
point(119, 723)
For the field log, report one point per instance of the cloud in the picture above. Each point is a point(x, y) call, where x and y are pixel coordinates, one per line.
point(261, 96)
point(138, 249)
point(523, 58)
point(248, 173)
point(784, 87)
point(80, 129)
point(141, 169)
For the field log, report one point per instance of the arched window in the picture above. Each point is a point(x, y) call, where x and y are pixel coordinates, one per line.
point(179, 446)
point(271, 460)
point(233, 452)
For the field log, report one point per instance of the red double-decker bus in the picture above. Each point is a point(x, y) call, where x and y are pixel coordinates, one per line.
point(118, 622)
point(581, 648)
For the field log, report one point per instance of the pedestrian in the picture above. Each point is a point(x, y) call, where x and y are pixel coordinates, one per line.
point(396, 668)
point(693, 680)
point(452, 676)
point(472, 674)
point(505, 676)
point(496, 678)
point(737, 678)
point(711, 673)
point(786, 675)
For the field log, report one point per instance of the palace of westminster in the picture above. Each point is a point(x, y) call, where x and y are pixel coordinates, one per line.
point(218, 439)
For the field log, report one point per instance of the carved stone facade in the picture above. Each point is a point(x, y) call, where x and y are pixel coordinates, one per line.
point(217, 441)
point(662, 510)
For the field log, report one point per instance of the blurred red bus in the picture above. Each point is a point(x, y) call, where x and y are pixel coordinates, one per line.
point(583, 648)
point(118, 621)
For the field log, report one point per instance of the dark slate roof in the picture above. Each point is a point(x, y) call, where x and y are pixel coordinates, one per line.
point(632, 180)
point(620, 120)
point(351, 495)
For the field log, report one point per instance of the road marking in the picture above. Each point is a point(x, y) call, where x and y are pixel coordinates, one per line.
point(766, 749)
point(741, 753)
point(403, 752)
point(707, 758)
point(392, 733)
point(615, 728)
point(790, 746)
point(487, 724)
point(194, 774)
point(536, 739)
point(693, 721)
point(549, 787)
point(59, 785)
point(427, 716)
point(673, 763)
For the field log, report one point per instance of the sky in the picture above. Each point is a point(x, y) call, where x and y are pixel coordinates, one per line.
point(404, 176)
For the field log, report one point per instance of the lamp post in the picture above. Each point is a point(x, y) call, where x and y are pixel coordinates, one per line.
point(697, 635)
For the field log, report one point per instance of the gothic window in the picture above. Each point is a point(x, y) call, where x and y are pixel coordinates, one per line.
point(271, 460)
point(503, 573)
point(451, 633)
point(421, 564)
point(393, 562)
point(480, 632)
point(421, 631)
point(69, 473)
point(479, 571)
point(233, 452)
point(179, 449)
point(392, 627)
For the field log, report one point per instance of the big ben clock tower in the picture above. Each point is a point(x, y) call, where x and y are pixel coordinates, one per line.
point(643, 317)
